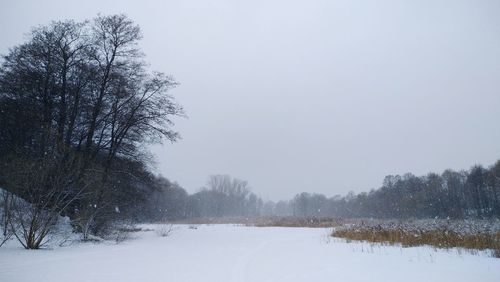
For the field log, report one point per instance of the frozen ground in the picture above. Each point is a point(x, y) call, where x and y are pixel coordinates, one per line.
point(222, 253)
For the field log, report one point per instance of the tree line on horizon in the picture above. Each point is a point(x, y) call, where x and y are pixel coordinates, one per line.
point(466, 194)
point(222, 196)
point(473, 193)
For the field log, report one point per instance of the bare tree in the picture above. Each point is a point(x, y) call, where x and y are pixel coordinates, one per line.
point(46, 188)
point(6, 214)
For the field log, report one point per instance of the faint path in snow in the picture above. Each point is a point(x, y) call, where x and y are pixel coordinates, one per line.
point(240, 270)
point(219, 253)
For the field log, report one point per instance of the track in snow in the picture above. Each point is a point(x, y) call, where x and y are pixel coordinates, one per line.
point(242, 254)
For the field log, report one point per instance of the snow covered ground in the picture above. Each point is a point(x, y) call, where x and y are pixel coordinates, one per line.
point(237, 253)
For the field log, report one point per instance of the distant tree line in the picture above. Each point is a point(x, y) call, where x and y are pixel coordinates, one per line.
point(223, 196)
point(466, 194)
point(471, 194)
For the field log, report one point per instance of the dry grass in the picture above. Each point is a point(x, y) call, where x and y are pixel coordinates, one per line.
point(266, 221)
point(438, 238)
point(215, 220)
point(300, 222)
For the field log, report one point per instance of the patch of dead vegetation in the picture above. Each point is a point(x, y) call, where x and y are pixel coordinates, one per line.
point(410, 235)
point(312, 222)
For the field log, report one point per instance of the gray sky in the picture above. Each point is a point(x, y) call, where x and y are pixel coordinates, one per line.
point(317, 96)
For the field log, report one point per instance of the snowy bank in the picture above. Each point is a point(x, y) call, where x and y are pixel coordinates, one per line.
point(239, 253)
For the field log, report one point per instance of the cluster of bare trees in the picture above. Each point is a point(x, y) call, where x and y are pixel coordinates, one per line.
point(223, 196)
point(466, 194)
point(77, 105)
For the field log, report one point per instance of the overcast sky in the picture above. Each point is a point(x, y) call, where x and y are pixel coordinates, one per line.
point(318, 96)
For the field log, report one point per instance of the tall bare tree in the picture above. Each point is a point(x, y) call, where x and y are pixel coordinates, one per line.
point(85, 94)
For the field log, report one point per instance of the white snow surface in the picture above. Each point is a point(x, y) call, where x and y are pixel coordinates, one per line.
point(222, 253)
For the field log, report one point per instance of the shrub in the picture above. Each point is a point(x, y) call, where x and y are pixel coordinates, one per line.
point(164, 230)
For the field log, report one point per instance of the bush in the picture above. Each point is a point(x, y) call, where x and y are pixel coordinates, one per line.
point(164, 230)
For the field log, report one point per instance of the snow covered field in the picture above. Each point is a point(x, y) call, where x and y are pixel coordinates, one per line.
point(236, 253)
